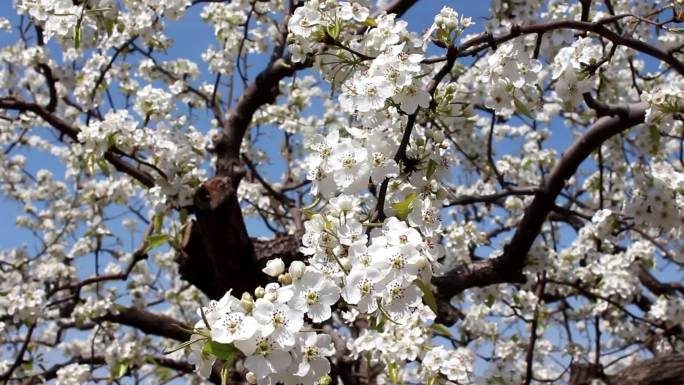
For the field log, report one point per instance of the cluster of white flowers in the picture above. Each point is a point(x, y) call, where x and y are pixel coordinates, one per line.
point(20, 305)
point(393, 74)
point(658, 199)
point(447, 27)
point(386, 60)
point(74, 374)
point(454, 364)
point(228, 19)
point(345, 164)
point(399, 345)
point(570, 70)
point(513, 76)
point(58, 17)
point(270, 331)
point(152, 103)
point(178, 154)
point(378, 273)
point(664, 102)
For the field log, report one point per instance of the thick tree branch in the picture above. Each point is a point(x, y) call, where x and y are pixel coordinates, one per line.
point(149, 323)
point(217, 253)
point(508, 267)
point(660, 370)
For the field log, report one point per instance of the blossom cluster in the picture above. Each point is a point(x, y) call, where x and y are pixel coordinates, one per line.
point(345, 163)
point(513, 76)
point(177, 160)
point(658, 199)
point(270, 331)
point(397, 346)
point(380, 67)
point(571, 70)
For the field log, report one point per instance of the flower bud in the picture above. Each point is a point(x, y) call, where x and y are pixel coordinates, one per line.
point(439, 20)
point(271, 296)
point(274, 267)
point(247, 301)
point(297, 269)
point(251, 378)
point(259, 292)
point(438, 136)
point(285, 279)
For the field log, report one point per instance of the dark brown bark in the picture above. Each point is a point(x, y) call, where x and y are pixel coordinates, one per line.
point(661, 370)
point(508, 267)
point(150, 323)
point(217, 253)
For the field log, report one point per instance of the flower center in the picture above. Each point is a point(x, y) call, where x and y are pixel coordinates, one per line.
point(366, 287)
point(311, 297)
point(279, 318)
point(378, 159)
point(263, 347)
point(348, 161)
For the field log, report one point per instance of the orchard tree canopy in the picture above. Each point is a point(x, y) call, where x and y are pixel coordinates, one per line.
point(331, 194)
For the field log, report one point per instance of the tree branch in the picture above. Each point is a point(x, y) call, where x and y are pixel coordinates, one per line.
point(508, 267)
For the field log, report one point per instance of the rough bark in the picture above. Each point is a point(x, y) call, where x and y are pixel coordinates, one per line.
point(660, 370)
point(508, 267)
point(217, 254)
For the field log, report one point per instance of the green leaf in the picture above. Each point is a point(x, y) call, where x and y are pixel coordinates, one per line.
point(226, 352)
point(377, 323)
point(441, 330)
point(403, 208)
point(490, 300)
point(103, 166)
point(111, 139)
point(27, 366)
point(119, 369)
point(90, 164)
point(183, 215)
point(393, 373)
point(431, 168)
point(654, 134)
point(522, 108)
point(428, 297)
point(308, 213)
point(109, 26)
point(77, 36)
point(163, 373)
point(182, 346)
point(158, 223)
point(154, 241)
